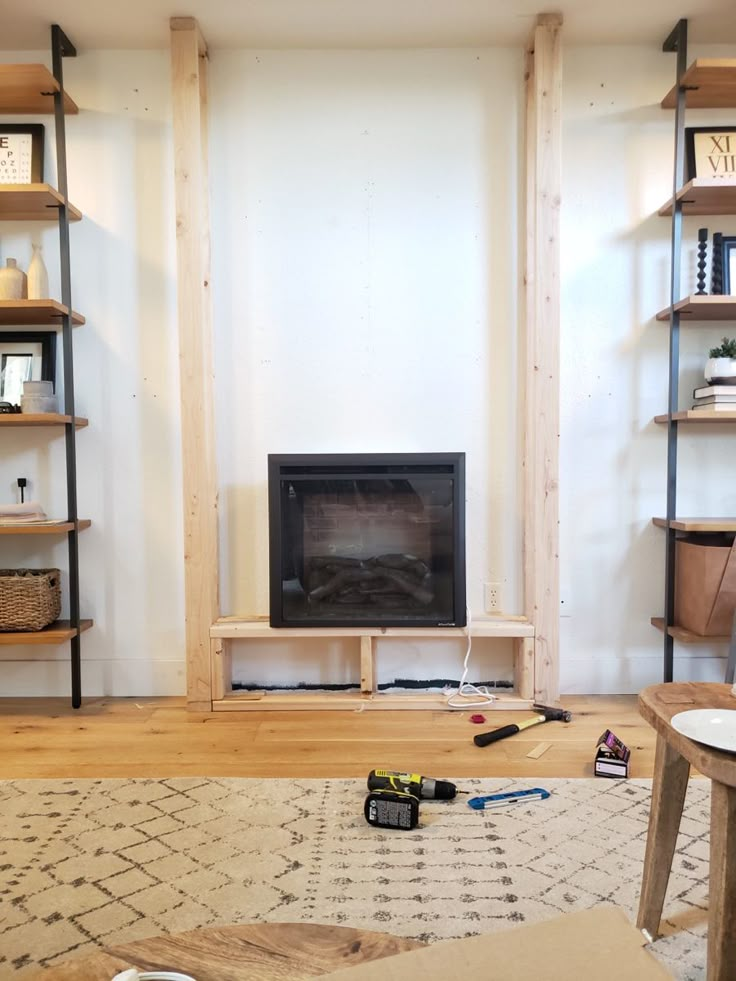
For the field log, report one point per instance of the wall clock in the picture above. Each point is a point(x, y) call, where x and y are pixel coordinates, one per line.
point(21, 153)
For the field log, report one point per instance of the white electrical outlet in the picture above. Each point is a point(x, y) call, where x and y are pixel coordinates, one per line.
point(492, 597)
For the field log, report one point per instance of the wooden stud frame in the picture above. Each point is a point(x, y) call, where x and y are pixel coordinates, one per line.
point(189, 95)
point(367, 641)
point(209, 636)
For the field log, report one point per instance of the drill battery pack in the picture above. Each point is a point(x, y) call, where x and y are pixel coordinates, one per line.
point(392, 809)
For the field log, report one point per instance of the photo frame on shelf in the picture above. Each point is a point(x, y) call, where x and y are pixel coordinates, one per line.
point(21, 153)
point(710, 151)
point(25, 356)
point(728, 264)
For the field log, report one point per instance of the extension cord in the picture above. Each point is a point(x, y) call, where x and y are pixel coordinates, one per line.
point(464, 688)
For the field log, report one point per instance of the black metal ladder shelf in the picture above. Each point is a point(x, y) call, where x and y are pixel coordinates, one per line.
point(32, 89)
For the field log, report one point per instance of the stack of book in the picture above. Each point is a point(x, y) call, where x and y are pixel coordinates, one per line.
point(718, 398)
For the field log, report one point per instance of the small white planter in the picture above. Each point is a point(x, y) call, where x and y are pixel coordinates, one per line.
point(720, 371)
point(35, 404)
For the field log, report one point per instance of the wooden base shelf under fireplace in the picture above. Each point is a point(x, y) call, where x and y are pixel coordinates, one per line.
point(227, 629)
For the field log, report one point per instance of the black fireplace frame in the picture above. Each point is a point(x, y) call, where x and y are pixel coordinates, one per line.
point(331, 463)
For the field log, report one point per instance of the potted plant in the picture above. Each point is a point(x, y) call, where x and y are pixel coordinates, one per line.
point(720, 368)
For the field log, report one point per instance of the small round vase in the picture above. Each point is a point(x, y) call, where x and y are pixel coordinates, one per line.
point(720, 371)
point(13, 282)
point(38, 277)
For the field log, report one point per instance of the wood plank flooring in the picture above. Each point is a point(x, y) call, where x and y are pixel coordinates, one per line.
point(158, 737)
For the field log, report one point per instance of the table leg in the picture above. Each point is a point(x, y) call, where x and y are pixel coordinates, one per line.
point(722, 891)
point(731, 662)
point(671, 773)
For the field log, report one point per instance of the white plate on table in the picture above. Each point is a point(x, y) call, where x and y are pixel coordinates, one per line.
point(714, 727)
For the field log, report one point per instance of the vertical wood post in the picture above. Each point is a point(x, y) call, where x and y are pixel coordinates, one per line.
point(524, 667)
point(222, 667)
point(542, 409)
point(189, 101)
point(367, 666)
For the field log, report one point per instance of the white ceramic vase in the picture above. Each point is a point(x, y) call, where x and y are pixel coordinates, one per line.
point(38, 277)
point(13, 282)
point(720, 371)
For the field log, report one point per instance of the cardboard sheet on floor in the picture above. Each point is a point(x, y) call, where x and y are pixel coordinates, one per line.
point(598, 943)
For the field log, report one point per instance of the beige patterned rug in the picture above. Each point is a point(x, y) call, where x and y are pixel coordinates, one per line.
point(89, 862)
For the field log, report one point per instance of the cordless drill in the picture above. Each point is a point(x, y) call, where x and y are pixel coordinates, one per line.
point(393, 798)
point(423, 788)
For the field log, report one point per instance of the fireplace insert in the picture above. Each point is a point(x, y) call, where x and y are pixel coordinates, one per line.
point(367, 539)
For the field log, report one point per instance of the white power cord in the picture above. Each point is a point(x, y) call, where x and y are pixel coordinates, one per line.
point(465, 688)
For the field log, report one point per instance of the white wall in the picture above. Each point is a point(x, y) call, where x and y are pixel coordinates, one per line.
point(366, 280)
point(365, 207)
point(618, 145)
point(126, 382)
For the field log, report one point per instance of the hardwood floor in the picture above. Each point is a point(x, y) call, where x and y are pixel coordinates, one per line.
point(157, 737)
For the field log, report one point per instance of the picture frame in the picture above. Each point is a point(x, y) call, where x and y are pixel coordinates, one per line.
point(728, 255)
point(710, 151)
point(25, 356)
point(21, 153)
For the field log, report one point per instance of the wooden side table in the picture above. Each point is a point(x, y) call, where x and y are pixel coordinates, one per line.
point(256, 952)
point(674, 755)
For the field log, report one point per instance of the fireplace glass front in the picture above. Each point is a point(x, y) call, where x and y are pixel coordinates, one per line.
point(367, 540)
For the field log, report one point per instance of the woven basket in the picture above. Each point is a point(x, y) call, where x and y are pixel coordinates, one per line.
point(30, 599)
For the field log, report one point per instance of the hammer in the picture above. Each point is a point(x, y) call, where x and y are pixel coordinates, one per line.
point(546, 714)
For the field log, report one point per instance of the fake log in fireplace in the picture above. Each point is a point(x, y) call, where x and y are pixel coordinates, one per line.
point(367, 539)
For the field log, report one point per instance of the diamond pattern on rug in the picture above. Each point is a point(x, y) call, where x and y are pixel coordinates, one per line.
point(86, 863)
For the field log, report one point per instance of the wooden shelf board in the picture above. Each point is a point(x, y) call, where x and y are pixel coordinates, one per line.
point(40, 419)
point(698, 524)
point(703, 308)
point(55, 633)
point(249, 701)
point(31, 529)
point(35, 313)
point(28, 89)
point(686, 636)
point(258, 627)
point(711, 83)
point(700, 415)
point(705, 196)
point(32, 202)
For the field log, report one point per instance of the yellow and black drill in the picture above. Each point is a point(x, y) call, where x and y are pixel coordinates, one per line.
point(423, 788)
point(393, 799)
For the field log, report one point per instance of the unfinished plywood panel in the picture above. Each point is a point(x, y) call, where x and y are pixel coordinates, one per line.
point(189, 97)
point(541, 452)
